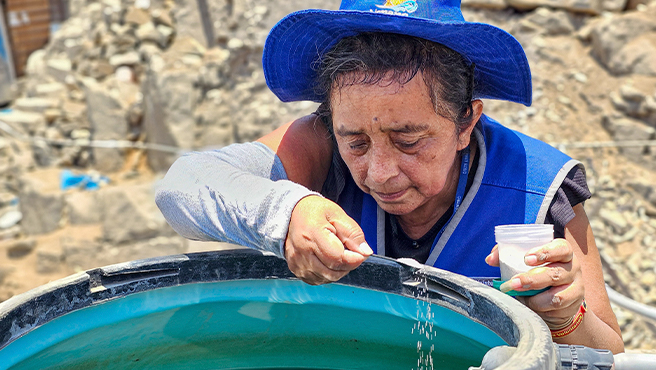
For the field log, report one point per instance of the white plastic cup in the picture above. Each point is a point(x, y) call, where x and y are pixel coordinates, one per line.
point(515, 241)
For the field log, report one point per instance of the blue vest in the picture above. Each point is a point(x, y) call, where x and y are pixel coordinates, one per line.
point(515, 182)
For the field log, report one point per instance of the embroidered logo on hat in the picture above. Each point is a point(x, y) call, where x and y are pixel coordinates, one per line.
point(399, 6)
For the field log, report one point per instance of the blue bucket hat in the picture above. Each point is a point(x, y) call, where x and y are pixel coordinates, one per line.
point(298, 40)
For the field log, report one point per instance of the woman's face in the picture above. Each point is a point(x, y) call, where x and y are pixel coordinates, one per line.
point(395, 145)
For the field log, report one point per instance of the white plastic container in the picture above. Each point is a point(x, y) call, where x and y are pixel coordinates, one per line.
point(515, 241)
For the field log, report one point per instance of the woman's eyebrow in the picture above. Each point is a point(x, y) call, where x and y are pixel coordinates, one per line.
point(409, 129)
point(341, 131)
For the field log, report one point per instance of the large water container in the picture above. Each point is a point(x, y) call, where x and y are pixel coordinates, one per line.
point(242, 309)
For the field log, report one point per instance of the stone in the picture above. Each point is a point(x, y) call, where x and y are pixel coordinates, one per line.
point(83, 208)
point(635, 4)
point(215, 124)
point(615, 219)
point(577, 6)
point(81, 255)
point(127, 59)
point(20, 248)
point(54, 89)
point(186, 45)
point(130, 214)
point(137, 16)
point(36, 63)
point(42, 205)
point(59, 69)
point(162, 17)
point(147, 50)
point(187, 19)
point(74, 111)
point(166, 35)
point(630, 129)
point(148, 32)
point(10, 218)
point(628, 92)
point(485, 4)
point(48, 262)
point(610, 37)
point(638, 57)
point(36, 105)
point(613, 5)
point(27, 122)
point(553, 22)
point(10, 233)
point(155, 247)
point(168, 115)
point(108, 122)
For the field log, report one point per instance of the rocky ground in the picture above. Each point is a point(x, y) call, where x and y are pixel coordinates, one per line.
point(131, 74)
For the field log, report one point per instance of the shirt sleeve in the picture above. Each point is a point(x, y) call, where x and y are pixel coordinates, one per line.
point(238, 194)
point(572, 191)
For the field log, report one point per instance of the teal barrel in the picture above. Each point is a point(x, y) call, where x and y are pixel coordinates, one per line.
point(242, 309)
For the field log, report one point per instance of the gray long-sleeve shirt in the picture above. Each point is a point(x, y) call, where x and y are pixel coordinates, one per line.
point(238, 194)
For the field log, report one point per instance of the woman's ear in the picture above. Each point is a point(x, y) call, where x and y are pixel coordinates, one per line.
point(465, 134)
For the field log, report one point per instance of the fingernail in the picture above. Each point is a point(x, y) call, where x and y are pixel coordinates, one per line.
point(530, 260)
point(365, 249)
point(511, 284)
point(488, 258)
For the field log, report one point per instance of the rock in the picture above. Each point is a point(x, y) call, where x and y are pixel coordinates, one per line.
point(80, 254)
point(48, 262)
point(127, 59)
point(36, 105)
point(162, 17)
point(577, 6)
point(10, 219)
point(613, 5)
point(26, 122)
point(10, 233)
point(187, 19)
point(155, 247)
point(74, 111)
point(186, 45)
point(630, 93)
point(83, 208)
point(611, 37)
point(166, 34)
point(148, 32)
point(168, 115)
point(131, 214)
point(638, 56)
point(553, 22)
point(59, 69)
point(108, 122)
point(36, 64)
point(41, 205)
point(54, 89)
point(628, 129)
point(20, 248)
point(137, 16)
point(485, 4)
point(634, 4)
point(216, 127)
point(615, 219)
point(147, 50)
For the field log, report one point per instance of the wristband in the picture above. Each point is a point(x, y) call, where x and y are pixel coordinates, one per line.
point(571, 324)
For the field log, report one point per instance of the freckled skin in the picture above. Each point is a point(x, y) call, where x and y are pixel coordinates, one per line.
point(398, 149)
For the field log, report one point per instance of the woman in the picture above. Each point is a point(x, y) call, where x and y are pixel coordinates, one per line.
point(400, 160)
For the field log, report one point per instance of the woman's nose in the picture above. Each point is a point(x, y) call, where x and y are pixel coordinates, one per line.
point(381, 167)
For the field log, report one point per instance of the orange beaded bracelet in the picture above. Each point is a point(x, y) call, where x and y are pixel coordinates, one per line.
point(576, 321)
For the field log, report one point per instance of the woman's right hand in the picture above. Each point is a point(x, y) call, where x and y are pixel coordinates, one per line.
point(323, 243)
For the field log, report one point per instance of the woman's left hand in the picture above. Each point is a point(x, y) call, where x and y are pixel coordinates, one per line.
point(561, 272)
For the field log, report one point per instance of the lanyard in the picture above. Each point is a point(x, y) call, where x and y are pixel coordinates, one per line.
point(460, 192)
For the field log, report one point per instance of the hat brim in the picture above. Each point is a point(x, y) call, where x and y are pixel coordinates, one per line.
point(296, 42)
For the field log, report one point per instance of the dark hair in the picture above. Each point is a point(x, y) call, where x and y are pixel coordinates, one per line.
point(370, 58)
